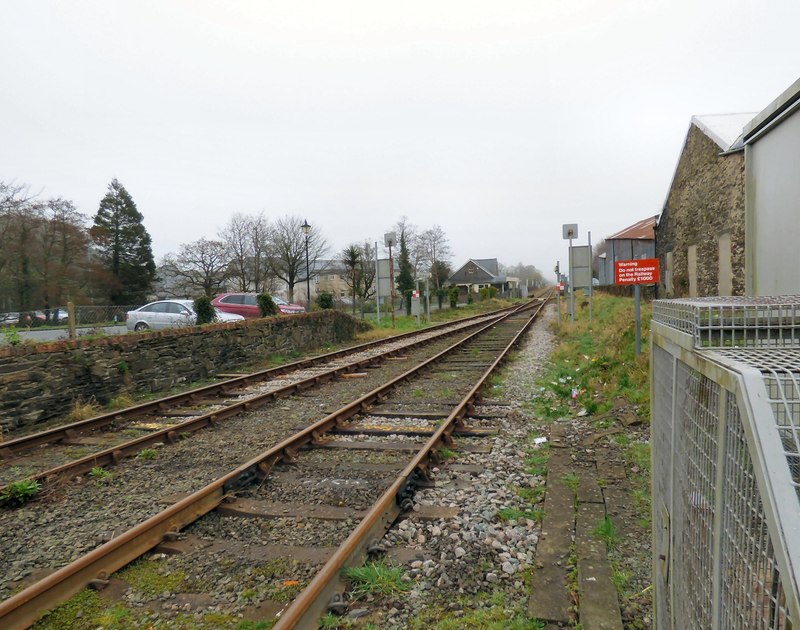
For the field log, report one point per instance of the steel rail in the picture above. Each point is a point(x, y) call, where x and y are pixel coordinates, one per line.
point(24, 608)
point(314, 600)
point(174, 433)
point(56, 434)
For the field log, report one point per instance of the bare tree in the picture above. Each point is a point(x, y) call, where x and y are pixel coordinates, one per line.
point(435, 250)
point(199, 268)
point(246, 239)
point(239, 249)
point(287, 252)
point(61, 257)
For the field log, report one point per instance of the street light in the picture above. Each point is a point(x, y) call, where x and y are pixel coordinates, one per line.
point(306, 229)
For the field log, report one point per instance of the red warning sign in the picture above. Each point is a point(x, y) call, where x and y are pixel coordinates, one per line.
point(643, 271)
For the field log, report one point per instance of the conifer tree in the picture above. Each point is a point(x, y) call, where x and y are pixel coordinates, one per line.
point(405, 280)
point(124, 246)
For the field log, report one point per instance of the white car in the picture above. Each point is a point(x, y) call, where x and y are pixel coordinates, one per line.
point(170, 314)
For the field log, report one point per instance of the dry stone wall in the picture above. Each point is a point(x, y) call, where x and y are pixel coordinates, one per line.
point(43, 381)
point(706, 199)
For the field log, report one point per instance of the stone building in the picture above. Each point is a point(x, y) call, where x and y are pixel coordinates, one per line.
point(700, 233)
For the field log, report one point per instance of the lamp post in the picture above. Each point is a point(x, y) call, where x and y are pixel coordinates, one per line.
point(306, 229)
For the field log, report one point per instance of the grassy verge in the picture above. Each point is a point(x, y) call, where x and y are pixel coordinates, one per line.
point(595, 364)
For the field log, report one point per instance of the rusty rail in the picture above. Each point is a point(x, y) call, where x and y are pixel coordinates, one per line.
point(24, 608)
point(313, 601)
point(113, 455)
point(11, 447)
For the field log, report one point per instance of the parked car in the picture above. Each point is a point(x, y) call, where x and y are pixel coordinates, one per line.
point(9, 319)
point(170, 314)
point(246, 304)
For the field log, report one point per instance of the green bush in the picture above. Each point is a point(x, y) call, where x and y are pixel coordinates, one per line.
point(453, 295)
point(441, 294)
point(266, 305)
point(205, 312)
point(20, 492)
point(325, 300)
point(487, 293)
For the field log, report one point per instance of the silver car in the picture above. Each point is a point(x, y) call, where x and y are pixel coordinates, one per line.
point(170, 314)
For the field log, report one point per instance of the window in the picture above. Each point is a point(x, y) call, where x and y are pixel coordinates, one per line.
point(250, 300)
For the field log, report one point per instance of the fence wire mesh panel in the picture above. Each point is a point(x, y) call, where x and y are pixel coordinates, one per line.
point(726, 488)
point(721, 322)
point(663, 363)
point(752, 591)
point(693, 510)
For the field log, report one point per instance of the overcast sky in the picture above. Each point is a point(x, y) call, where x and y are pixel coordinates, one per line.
point(499, 121)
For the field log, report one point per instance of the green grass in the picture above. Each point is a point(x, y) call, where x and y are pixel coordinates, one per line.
point(446, 453)
point(99, 474)
point(151, 578)
point(147, 453)
point(516, 514)
point(536, 462)
point(375, 578)
point(493, 611)
point(606, 532)
point(87, 610)
point(599, 362)
point(572, 481)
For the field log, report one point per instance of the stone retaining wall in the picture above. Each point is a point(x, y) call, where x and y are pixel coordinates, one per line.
point(43, 381)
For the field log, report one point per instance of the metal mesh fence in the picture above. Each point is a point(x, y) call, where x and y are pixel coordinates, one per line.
point(726, 464)
point(752, 591)
point(693, 512)
point(723, 322)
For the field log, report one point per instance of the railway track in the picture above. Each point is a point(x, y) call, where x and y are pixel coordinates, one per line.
point(104, 440)
point(382, 422)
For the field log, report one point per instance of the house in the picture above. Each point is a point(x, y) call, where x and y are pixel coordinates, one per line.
point(700, 233)
point(635, 241)
point(771, 143)
point(478, 273)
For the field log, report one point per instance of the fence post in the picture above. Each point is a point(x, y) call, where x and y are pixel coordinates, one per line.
point(71, 319)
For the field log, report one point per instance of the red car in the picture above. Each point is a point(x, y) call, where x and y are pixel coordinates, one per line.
point(245, 304)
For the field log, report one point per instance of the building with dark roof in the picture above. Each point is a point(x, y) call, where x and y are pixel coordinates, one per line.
point(478, 273)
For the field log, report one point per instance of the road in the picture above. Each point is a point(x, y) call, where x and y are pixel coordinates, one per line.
point(54, 334)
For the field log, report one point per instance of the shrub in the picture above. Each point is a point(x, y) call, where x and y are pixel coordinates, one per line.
point(205, 312)
point(325, 300)
point(487, 293)
point(453, 295)
point(441, 294)
point(266, 305)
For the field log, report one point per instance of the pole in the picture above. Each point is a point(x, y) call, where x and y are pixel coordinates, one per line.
point(637, 294)
point(418, 302)
point(427, 301)
point(558, 292)
point(391, 282)
point(571, 285)
point(377, 286)
point(591, 279)
point(308, 279)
